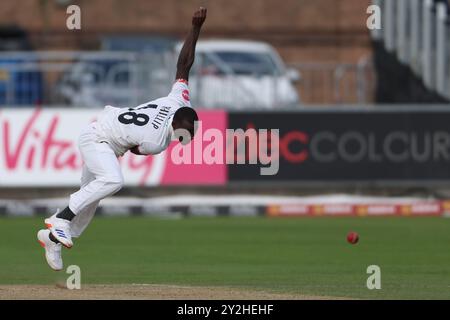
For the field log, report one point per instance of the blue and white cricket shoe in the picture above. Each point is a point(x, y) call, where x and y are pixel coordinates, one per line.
point(52, 250)
point(60, 229)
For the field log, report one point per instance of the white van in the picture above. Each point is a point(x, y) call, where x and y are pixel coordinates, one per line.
point(244, 75)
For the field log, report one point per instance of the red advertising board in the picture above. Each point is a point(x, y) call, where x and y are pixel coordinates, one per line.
point(38, 147)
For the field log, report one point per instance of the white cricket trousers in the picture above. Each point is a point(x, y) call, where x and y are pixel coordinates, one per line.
point(101, 177)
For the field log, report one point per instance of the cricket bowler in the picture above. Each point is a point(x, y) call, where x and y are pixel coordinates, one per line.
point(146, 129)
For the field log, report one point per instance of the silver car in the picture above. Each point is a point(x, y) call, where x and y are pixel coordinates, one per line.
point(240, 75)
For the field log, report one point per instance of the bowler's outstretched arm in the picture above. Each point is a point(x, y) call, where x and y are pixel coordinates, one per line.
point(187, 54)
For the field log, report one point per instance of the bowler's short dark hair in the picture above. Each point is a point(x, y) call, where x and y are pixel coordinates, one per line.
point(185, 114)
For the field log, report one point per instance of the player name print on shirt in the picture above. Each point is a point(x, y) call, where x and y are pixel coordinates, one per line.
point(160, 117)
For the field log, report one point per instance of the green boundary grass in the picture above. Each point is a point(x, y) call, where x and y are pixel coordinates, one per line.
point(307, 256)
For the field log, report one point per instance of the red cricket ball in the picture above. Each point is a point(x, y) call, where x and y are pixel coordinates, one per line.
point(352, 237)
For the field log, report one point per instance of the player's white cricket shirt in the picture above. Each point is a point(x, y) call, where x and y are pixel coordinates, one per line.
point(148, 125)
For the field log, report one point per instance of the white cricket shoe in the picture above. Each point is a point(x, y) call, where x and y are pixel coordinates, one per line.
point(60, 229)
point(52, 250)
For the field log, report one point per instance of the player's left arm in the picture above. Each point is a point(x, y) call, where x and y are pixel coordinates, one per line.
point(146, 148)
point(187, 53)
point(136, 151)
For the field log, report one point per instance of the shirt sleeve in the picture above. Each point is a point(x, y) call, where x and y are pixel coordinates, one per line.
point(180, 92)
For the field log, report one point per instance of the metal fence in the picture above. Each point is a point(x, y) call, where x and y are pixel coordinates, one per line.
point(83, 79)
point(418, 31)
point(336, 83)
point(95, 79)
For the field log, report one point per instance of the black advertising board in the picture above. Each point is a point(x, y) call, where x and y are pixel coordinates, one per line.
point(396, 146)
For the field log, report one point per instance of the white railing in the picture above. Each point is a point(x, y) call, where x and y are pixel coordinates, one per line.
point(95, 79)
point(418, 31)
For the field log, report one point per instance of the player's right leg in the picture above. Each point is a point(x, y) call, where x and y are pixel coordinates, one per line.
point(83, 218)
point(74, 226)
point(52, 246)
point(103, 164)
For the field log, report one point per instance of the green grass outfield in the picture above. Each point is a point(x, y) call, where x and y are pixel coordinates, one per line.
point(308, 256)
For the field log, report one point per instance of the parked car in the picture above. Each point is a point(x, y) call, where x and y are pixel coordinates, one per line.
point(129, 70)
point(95, 83)
point(227, 74)
point(241, 75)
